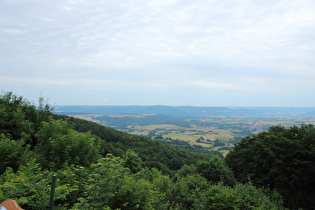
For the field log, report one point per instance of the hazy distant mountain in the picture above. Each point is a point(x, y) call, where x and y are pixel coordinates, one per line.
point(191, 111)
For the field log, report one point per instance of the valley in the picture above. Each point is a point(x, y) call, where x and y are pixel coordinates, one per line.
point(193, 128)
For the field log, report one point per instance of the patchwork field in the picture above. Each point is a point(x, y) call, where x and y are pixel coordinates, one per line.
point(212, 133)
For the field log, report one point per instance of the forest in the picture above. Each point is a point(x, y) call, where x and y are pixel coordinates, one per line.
point(98, 167)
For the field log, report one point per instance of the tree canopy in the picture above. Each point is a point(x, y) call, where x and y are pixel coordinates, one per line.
point(282, 159)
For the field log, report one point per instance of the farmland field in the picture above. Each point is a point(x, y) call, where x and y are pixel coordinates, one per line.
point(192, 128)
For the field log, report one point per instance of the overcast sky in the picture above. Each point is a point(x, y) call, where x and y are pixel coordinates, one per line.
point(159, 52)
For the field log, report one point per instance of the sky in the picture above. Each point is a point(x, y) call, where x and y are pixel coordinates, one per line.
point(159, 52)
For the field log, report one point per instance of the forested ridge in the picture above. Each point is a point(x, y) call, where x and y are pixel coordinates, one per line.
point(101, 168)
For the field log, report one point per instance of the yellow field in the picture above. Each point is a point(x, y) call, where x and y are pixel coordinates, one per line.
point(190, 134)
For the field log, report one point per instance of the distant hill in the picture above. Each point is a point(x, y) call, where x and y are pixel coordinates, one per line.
point(191, 111)
point(178, 111)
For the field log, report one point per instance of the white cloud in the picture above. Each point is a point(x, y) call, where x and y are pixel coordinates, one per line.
point(89, 84)
point(158, 44)
point(212, 85)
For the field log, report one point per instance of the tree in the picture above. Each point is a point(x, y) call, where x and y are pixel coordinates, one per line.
point(281, 159)
point(189, 190)
point(104, 180)
point(137, 193)
point(20, 119)
point(132, 161)
point(12, 153)
point(241, 196)
point(60, 145)
point(160, 182)
point(30, 187)
point(186, 170)
point(215, 170)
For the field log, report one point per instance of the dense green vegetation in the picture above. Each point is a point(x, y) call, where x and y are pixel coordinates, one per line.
point(102, 168)
point(152, 153)
point(281, 159)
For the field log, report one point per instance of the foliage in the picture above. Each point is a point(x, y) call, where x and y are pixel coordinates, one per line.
point(60, 145)
point(35, 144)
point(13, 153)
point(104, 179)
point(152, 153)
point(21, 186)
point(186, 170)
point(216, 171)
point(138, 193)
point(73, 179)
point(188, 190)
point(132, 161)
point(20, 119)
point(242, 196)
point(30, 186)
point(281, 159)
point(160, 182)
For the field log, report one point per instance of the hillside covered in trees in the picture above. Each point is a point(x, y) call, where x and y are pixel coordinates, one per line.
point(101, 168)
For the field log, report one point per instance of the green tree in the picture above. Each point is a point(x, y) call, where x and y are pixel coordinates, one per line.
point(105, 178)
point(30, 187)
point(20, 119)
point(71, 183)
point(281, 159)
point(187, 169)
point(189, 190)
point(242, 196)
point(138, 193)
point(22, 186)
point(216, 171)
point(60, 145)
point(13, 153)
point(133, 161)
point(160, 182)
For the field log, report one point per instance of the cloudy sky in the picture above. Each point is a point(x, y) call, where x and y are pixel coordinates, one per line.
point(166, 52)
